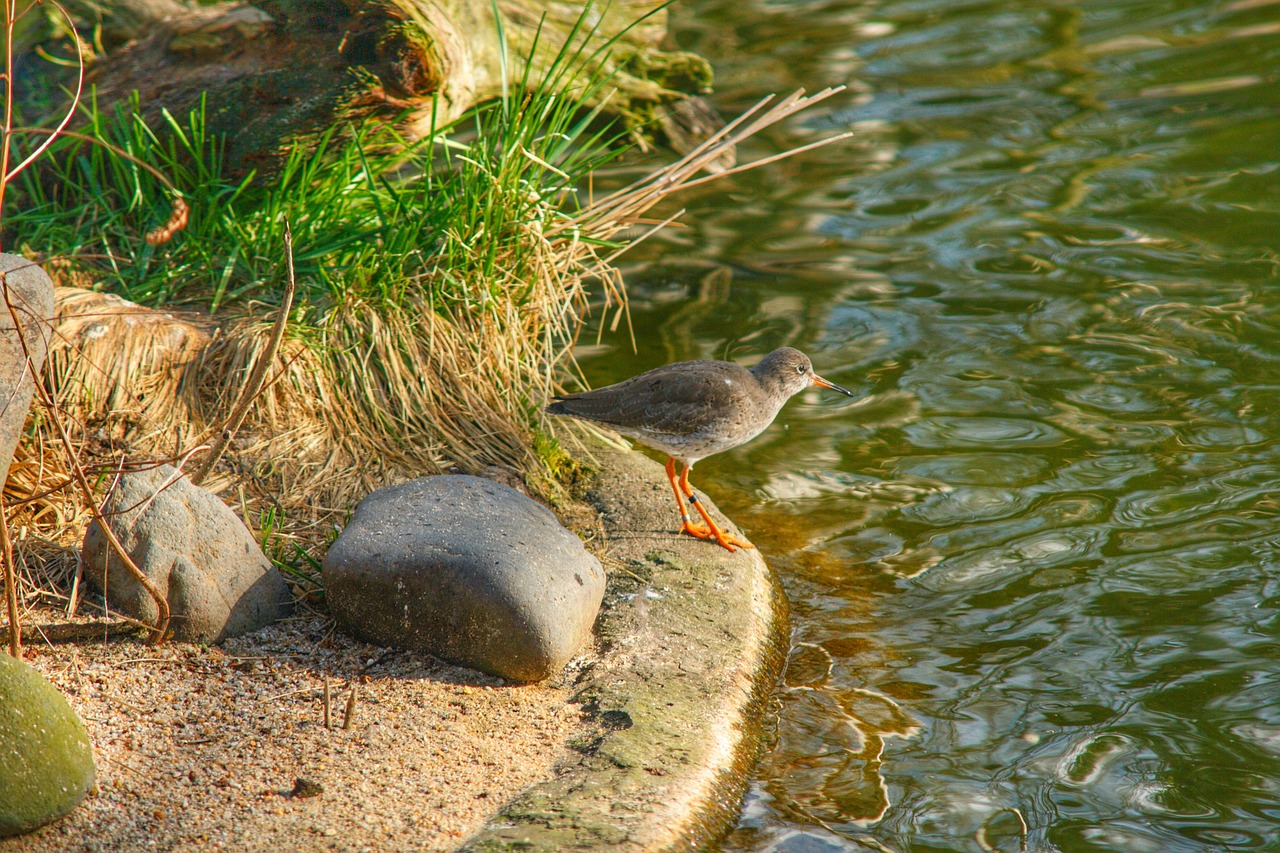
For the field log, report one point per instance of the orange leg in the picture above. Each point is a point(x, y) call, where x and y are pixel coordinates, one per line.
point(688, 525)
point(712, 530)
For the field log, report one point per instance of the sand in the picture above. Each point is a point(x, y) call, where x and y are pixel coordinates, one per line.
point(226, 748)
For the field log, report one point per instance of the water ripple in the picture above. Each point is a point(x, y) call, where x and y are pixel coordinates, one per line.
point(1230, 489)
point(1115, 398)
point(968, 504)
point(977, 469)
point(958, 432)
point(1052, 532)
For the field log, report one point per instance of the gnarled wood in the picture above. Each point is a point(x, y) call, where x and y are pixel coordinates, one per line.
point(284, 71)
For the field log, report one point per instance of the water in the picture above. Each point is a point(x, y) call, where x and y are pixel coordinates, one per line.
point(1034, 567)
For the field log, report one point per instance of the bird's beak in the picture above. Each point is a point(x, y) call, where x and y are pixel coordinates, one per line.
point(822, 383)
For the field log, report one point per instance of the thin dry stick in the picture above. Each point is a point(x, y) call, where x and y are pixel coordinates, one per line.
point(350, 716)
point(145, 504)
point(74, 598)
point(10, 20)
point(53, 134)
point(259, 374)
point(328, 704)
point(6, 132)
point(10, 585)
point(51, 409)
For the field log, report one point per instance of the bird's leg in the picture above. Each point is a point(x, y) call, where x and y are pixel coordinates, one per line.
point(712, 530)
point(684, 510)
point(687, 524)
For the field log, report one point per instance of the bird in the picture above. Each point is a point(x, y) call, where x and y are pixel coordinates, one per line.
point(690, 410)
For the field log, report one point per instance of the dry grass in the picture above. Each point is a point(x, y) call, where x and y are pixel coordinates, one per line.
point(361, 394)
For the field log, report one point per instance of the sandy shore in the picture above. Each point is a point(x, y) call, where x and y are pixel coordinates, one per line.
point(226, 748)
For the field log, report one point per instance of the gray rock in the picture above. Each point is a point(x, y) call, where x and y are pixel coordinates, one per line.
point(26, 287)
point(468, 570)
point(192, 546)
point(46, 764)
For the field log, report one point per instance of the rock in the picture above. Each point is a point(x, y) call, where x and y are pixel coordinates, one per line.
point(46, 764)
point(468, 570)
point(192, 546)
point(30, 292)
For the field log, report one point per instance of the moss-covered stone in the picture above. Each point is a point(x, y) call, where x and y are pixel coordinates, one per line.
point(46, 764)
point(691, 641)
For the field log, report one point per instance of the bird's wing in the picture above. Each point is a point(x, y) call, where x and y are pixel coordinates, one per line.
point(677, 399)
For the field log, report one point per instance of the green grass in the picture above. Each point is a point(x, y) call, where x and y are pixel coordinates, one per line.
point(440, 282)
point(374, 218)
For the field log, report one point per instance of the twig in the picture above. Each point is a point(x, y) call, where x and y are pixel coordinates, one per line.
point(145, 504)
point(6, 140)
point(10, 584)
point(328, 705)
point(10, 174)
point(66, 632)
point(51, 409)
point(74, 599)
point(259, 374)
point(349, 716)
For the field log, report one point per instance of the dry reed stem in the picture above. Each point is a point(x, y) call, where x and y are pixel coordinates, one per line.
point(620, 209)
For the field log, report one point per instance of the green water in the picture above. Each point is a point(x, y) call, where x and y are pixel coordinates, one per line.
point(1035, 568)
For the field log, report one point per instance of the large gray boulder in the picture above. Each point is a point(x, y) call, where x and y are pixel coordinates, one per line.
point(194, 548)
point(46, 764)
point(468, 570)
point(26, 288)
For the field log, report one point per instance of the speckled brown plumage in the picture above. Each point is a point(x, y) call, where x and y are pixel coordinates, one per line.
point(693, 409)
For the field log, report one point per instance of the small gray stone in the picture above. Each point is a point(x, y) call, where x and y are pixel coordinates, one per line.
point(468, 570)
point(25, 287)
point(46, 764)
point(195, 549)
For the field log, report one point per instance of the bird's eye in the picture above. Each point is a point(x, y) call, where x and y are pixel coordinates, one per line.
point(800, 369)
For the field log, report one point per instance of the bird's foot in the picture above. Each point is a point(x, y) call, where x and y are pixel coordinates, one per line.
point(725, 540)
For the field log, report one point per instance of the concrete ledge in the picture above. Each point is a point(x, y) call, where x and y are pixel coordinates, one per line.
point(691, 643)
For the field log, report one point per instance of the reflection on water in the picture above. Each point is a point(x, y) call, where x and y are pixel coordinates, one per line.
point(1034, 567)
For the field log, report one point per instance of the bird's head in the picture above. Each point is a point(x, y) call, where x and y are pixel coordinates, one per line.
point(791, 371)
